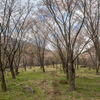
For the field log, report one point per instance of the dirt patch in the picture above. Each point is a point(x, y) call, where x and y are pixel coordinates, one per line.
point(51, 92)
point(48, 90)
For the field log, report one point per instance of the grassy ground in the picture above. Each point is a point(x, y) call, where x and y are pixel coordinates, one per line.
point(47, 86)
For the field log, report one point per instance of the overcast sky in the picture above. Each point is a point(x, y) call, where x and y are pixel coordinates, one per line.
point(33, 1)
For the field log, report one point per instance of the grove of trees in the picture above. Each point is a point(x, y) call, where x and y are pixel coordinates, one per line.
point(70, 27)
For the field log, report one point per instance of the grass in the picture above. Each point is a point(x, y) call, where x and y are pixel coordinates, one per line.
point(47, 86)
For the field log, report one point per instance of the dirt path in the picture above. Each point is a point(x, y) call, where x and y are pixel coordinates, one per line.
point(52, 93)
point(49, 91)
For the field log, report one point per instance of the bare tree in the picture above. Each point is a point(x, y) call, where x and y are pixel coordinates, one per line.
point(3, 84)
point(57, 45)
point(68, 24)
point(13, 22)
point(39, 40)
point(92, 23)
point(24, 63)
point(13, 17)
point(18, 55)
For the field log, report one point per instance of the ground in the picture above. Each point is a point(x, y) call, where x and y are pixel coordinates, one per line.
point(47, 86)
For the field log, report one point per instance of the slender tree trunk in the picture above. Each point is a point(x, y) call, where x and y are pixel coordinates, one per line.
point(97, 66)
point(63, 65)
point(72, 72)
point(12, 71)
point(97, 71)
point(3, 84)
point(43, 69)
point(72, 78)
point(77, 63)
point(16, 71)
point(53, 65)
point(67, 73)
point(24, 64)
point(42, 65)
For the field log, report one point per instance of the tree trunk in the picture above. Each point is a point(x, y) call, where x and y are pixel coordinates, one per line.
point(3, 84)
point(12, 72)
point(77, 63)
point(16, 71)
point(42, 66)
point(72, 71)
point(63, 65)
point(72, 77)
point(97, 71)
point(97, 66)
point(67, 73)
point(53, 65)
point(43, 69)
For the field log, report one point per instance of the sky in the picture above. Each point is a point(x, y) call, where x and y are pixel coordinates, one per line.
point(33, 1)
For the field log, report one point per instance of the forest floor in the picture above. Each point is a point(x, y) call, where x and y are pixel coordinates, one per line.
point(47, 86)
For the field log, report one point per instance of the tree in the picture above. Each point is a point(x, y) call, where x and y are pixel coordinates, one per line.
point(24, 63)
point(39, 40)
point(68, 24)
point(13, 21)
point(19, 53)
point(13, 17)
point(3, 84)
point(92, 22)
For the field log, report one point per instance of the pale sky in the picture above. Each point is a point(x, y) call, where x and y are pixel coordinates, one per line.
point(33, 1)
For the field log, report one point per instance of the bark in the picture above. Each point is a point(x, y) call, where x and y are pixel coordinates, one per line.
point(97, 71)
point(72, 77)
point(11, 67)
point(63, 65)
point(77, 63)
point(97, 65)
point(24, 64)
point(16, 71)
point(67, 73)
point(12, 72)
point(72, 71)
point(3, 84)
point(43, 69)
point(42, 66)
